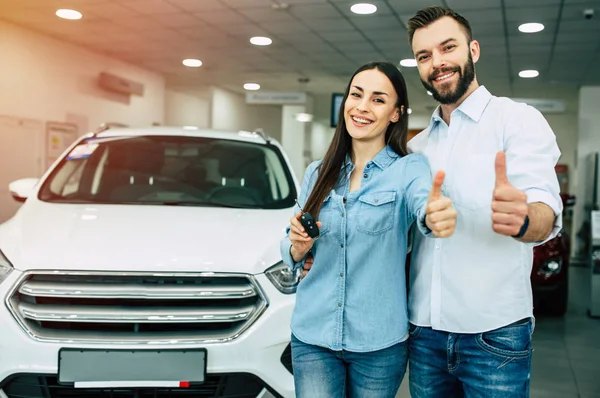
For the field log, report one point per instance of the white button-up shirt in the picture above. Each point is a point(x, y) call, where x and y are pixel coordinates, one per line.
point(478, 280)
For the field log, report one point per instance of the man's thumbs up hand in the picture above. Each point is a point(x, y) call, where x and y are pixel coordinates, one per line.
point(440, 215)
point(509, 205)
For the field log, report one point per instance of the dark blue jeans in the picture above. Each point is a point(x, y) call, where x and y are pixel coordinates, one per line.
point(323, 373)
point(494, 364)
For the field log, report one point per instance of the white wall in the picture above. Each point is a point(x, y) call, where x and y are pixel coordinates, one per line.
point(45, 78)
point(187, 110)
point(229, 111)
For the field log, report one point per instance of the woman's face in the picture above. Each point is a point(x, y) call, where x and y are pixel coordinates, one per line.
point(370, 106)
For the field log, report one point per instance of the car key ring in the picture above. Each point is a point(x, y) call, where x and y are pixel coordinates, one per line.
point(309, 223)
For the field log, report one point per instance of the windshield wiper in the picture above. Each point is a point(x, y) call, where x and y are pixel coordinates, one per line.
point(206, 204)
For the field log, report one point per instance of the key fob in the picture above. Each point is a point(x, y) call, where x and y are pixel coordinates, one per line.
point(310, 225)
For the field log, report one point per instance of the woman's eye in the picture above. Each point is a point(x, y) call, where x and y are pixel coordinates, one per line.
point(379, 100)
point(357, 95)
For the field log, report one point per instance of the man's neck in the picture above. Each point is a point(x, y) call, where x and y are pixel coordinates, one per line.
point(364, 151)
point(446, 110)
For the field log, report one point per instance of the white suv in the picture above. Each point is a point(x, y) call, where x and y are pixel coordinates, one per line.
point(146, 263)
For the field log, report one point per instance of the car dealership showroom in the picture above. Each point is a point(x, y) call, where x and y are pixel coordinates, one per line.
point(153, 157)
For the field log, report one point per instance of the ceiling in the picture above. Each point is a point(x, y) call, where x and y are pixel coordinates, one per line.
point(322, 40)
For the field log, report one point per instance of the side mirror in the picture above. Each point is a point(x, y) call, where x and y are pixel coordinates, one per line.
point(21, 189)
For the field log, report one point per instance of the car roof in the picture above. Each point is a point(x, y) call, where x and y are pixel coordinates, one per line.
point(246, 136)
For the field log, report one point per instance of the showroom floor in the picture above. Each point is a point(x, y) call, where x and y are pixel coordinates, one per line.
point(566, 359)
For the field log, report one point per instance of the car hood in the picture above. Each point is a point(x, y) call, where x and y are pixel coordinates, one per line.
point(45, 236)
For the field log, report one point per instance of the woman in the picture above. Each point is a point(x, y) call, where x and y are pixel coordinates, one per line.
point(350, 326)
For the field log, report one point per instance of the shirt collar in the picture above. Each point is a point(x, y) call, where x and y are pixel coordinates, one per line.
point(383, 159)
point(473, 106)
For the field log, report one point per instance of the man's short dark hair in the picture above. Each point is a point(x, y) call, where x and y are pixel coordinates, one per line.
point(431, 14)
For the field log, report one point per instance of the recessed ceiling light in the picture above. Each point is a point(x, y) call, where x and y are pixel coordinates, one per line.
point(409, 62)
point(261, 41)
point(363, 8)
point(532, 27)
point(192, 63)
point(409, 111)
point(68, 14)
point(304, 117)
point(429, 93)
point(190, 127)
point(527, 74)
point(252, 86)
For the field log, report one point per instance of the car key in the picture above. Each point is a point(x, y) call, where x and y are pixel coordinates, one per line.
point(309, 223)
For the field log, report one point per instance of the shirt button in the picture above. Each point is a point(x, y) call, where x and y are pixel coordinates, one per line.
point(341, 274)
point(339, 304)
point(437, 247)
point(365, 175)
point(342, 245)
point(368, 166)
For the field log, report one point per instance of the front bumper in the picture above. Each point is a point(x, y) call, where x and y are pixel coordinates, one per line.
point(256, 353)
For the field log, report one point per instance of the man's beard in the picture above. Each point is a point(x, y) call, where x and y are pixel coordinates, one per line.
point(466, 75)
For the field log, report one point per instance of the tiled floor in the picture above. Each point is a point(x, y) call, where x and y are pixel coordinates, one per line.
point(566, 359)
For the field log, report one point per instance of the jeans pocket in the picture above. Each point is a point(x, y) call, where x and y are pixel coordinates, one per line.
point(508, 342)
point(414, 331)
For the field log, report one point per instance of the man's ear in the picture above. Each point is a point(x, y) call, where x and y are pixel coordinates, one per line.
point(475, 50)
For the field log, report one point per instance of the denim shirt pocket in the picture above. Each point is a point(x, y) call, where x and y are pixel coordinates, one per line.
point(326, 215)
point(376, 212)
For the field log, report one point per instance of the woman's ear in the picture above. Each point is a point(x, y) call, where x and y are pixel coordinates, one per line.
point(397, 113)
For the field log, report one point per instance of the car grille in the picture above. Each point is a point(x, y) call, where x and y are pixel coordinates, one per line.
point(238, 385)
point(128, 308)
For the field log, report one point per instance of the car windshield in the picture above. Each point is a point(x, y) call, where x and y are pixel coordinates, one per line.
point(172, 170)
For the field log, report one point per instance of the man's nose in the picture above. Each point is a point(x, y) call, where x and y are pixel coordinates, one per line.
point(438, 60)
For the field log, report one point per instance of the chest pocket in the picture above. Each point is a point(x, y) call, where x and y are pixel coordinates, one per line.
point(376, 212)
point(326, 215)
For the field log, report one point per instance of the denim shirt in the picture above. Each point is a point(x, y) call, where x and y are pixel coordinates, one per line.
point(354, 297)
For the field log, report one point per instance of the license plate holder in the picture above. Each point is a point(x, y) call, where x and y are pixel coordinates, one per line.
point(102, 368)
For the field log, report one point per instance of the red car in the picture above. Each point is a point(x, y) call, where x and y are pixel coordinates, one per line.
point(550, 272)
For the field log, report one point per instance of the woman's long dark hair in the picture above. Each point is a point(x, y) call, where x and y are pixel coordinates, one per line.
point(341, 144)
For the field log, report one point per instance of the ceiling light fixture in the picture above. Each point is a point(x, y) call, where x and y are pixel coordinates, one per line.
point(363, 8)
point(528, 74)
point(532, 27)
point(68, 14)
point(304, 117)
point(190, 127)
point(192, 63)
point(408, 62)
point(261, 41)
point(252, 86)
point(409, 111)
point(429, 93)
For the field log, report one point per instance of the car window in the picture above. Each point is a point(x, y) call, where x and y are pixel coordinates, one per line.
point(172, 170)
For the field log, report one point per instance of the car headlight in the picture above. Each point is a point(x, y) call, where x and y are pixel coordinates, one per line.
point(5, 267)
point(284, 279)
point(551, 267)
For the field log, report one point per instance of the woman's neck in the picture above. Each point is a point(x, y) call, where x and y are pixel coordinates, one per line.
point(364, 151)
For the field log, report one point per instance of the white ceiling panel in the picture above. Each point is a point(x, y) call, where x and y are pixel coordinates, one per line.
point(319, 39)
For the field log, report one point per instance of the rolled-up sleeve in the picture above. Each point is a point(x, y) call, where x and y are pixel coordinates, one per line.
point(531, 156)
point(286, 244)
point(418, 186)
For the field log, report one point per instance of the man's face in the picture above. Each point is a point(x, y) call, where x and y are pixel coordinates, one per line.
point(445, 59)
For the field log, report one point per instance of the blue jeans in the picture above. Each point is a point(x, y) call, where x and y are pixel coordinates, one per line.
point(322, 373)
point(494, 364)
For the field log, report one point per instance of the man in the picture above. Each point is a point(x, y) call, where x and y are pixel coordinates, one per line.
point(470, 300)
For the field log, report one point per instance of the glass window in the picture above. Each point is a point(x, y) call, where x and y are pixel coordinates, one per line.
point(172, 170)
